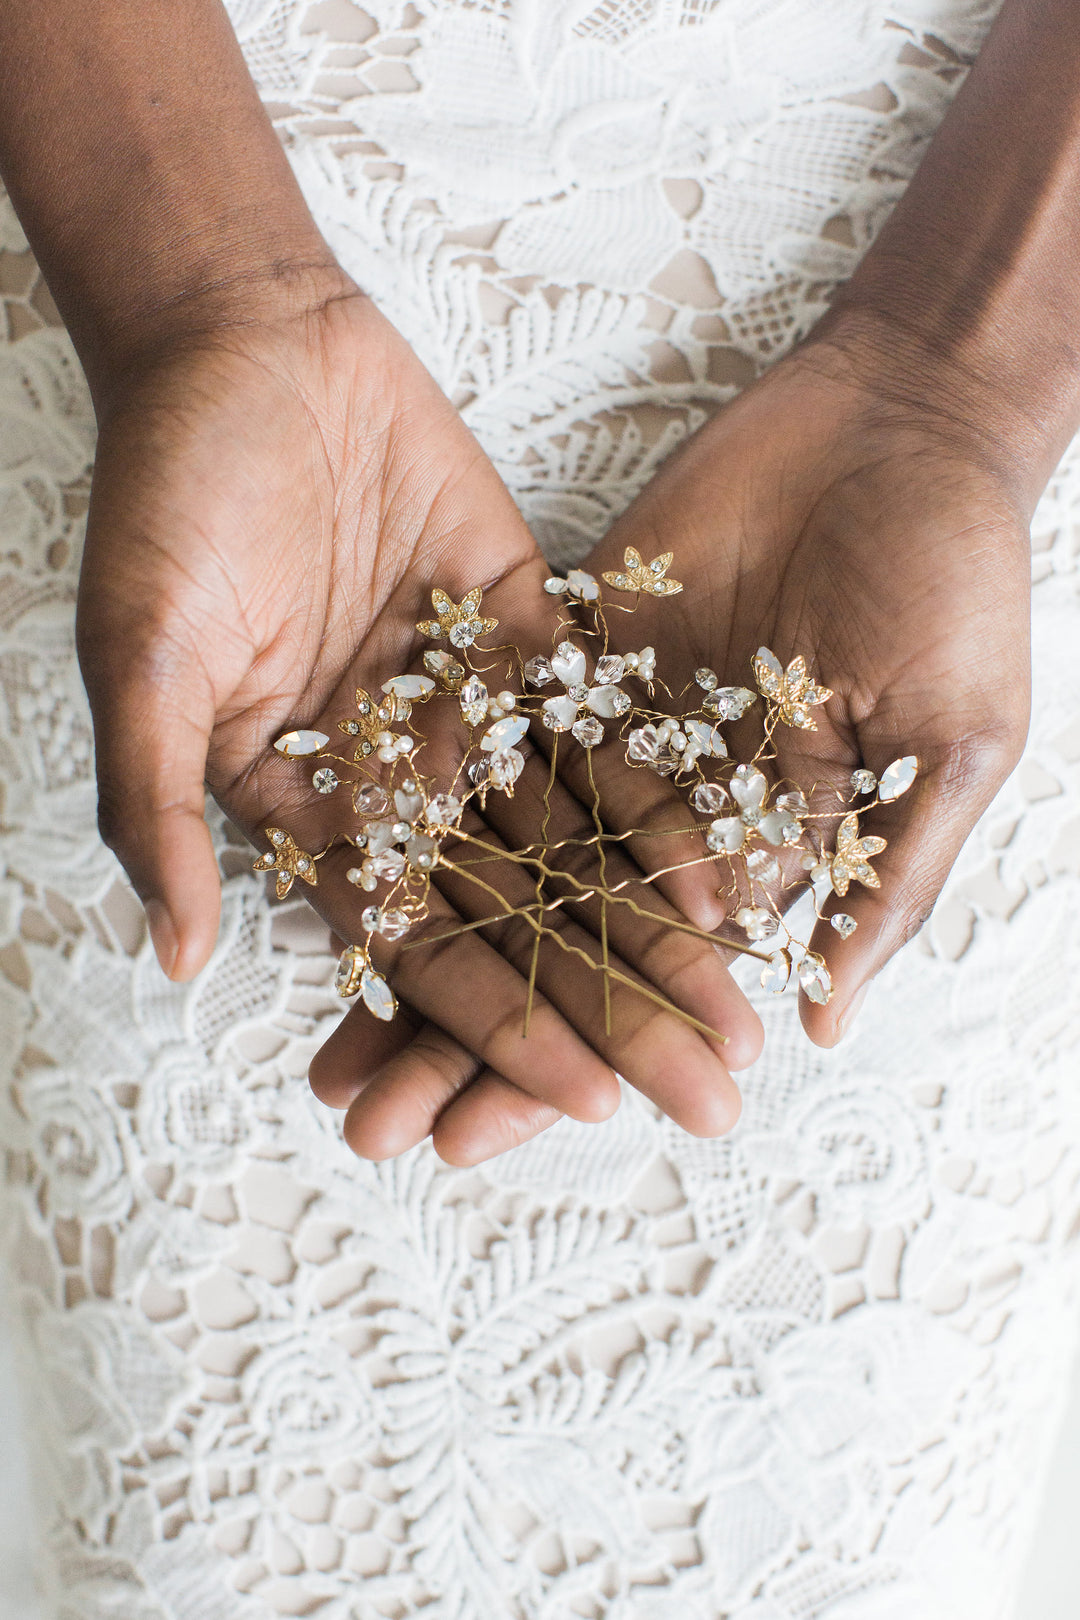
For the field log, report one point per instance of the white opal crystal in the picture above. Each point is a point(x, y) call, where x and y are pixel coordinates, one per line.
point(897, 777)
point(776, 973)
point(413, 687)
point(504, 733)
point(379, 999)
point(294, 744)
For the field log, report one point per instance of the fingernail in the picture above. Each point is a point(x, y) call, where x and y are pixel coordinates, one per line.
point(853, 1008)
point(163, 935)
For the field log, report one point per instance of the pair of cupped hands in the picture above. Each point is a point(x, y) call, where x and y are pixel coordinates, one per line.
point(278, 488)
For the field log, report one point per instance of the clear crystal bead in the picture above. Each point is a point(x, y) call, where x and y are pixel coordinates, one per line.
point(473, 698)
point(666, 763)
point(369, 919)
point(751, 816)
point(388, 864)
point(480, 772)
point(277, 837)
point(763, 866)
point(371, 800)
point(609, 669)
point(843, 924)
point(814, 978)
point(507, 765)
point(443, 811)
point(708, 798)
point(578, 692)
point(863, 781)
point(588, 731)
point(643, 745)
point(707, 679)
point(538, 671)
point(351, 728)
point(555, 586)
point(794, 802)
point(325, 781)
point(463, 634)
point(620, 702)
point(393, 923)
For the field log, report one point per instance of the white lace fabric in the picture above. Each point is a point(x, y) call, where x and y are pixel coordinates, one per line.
point(807, 1372)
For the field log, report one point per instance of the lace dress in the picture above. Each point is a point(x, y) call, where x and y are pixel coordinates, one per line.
point(807, 1372)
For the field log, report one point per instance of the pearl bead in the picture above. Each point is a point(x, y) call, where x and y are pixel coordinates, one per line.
point(507, 701)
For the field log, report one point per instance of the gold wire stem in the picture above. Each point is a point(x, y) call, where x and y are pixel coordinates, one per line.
point(601, 854)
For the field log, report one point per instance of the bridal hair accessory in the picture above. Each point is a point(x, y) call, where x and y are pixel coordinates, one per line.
point(767, 836)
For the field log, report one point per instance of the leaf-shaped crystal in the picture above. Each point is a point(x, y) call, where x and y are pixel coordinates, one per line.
point(294, 744)
point(897, 777)
point(349, 969)
point(504, 733)
point(412, 687)
point(730, 702)
point(776, 973)
point(439, 663)
point(568, 663)
point(705, 738)
point(583, 585)
point(473, 698)
point(814, 978)
point(379, 999)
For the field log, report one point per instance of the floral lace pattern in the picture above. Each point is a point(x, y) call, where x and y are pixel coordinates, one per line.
point(620, 1372)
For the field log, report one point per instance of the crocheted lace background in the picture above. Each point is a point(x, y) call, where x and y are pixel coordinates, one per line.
point(808, 1372)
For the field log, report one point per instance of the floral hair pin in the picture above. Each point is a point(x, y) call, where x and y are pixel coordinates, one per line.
point(408, 825)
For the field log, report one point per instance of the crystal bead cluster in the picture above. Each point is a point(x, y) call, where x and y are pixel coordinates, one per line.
point(769, 836)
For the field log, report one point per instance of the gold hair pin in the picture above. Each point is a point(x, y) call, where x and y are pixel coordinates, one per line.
point(771, 837)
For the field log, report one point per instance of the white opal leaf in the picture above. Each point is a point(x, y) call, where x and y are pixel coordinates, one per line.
point(379, 999)
point(294, 744)
point(505, 733)
point(897, 778)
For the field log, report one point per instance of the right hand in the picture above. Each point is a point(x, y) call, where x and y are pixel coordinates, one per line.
point(273, 499)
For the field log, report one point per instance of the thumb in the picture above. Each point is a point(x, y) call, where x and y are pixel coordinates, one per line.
point(924, 831)
point(153, 712)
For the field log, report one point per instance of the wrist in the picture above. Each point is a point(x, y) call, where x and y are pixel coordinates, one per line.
point(982, 397)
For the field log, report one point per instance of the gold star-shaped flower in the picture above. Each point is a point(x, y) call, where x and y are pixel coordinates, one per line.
point(851, 861)
point(642, 576)
point(791, 689)
point(459, 622)
point(289, 860)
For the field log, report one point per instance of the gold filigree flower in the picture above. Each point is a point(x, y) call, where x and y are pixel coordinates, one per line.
point(642, 576)
point(851, 861)
point(791, 689)
point(289, 860)
point(459, 622)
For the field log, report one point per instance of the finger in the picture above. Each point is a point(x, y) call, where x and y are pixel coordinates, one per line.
point(153, 713)
point(404, 1102)
point(395, 1079)
point(925, 830)
point(461, 984)
point(630, 1023)
point(643, 929)
point(358, 1047)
